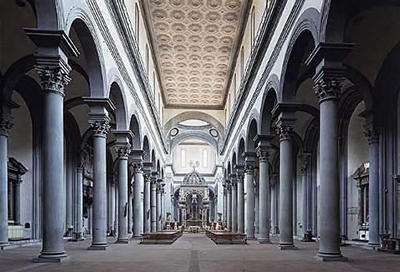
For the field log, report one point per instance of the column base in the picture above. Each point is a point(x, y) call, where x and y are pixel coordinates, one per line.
point(52, 258)
point(122, 241)
point(330, 257)
point(98, 247)
point(264, 241)
point(3, 245)
point(287, 247)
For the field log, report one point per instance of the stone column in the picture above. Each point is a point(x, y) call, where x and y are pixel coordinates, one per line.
point(229, 206)
point(123, 150)
point(153, 202)
point(240, 197)
point(5, 127)
point(17, 201)
point(158, 208)
point(285, 129)
point(330, 73)
point(51, 64)
point(234, 204)
point(53, 80)
point(78, 233)
point(130, 207)
point(250, 200)
point(307, 235)
point(373, 141)
point(138, 191)
point(147, 196)
point(116, 208)
point(256, 206)
point(264, 221)
point(100, 123)
point(224, 205)
point(274, 204)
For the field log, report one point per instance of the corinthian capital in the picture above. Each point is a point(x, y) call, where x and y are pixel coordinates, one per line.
point(123, 151)
point(100, 125)
point(328, 83)
point(53, 79)
point(262, 153)
point(5, 124)
point(285, 128)
point(372, 135)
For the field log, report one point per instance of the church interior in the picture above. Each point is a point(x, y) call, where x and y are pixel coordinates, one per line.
point(199, 135)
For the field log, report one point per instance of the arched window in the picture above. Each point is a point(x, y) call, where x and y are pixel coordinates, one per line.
point(204, 158)
point(183, 157)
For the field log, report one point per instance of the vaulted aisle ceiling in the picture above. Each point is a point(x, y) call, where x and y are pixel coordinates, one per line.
point(195, 42)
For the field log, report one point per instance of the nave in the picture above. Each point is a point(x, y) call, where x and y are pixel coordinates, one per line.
point(197, 253)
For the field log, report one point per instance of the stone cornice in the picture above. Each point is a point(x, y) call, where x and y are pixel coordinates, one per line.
point(264, 36)
point(131, 50)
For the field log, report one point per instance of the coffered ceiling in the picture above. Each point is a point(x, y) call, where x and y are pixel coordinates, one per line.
point(195, 43)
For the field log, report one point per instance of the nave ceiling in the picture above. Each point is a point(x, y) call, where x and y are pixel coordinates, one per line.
point(195, 45)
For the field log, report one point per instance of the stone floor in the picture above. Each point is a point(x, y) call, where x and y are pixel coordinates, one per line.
point(194, 253)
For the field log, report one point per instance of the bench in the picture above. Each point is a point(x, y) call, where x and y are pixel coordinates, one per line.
point(162, 237)
point(221, 237)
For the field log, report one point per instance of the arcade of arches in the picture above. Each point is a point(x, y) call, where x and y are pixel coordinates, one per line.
point(277, 121)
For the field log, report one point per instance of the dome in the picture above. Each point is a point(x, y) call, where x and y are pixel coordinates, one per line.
point(194, 178)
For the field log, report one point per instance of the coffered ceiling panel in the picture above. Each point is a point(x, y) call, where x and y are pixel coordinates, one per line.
point(194, 42)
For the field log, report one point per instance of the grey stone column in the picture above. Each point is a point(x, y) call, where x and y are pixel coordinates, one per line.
point(256, 206)
point(229, 206)
point(264, 221)
point(224, 205)
point(147, 196)
point(373, 205)
point(100, 123)
point(111, 207)
point(274, 204)
point(234, 204)
point(285, 129)
point(116, 210)
point(123, 150)
point(330, 73)
point(158, 203)
point(250, 200)
point(153, 202)
point(51, 65)
point(17, 201)
point(78, 197)
point(307, 235)
point(5, 127)
point(130, 207)
point(240, 197)
point(53, 82)
point(138, 191)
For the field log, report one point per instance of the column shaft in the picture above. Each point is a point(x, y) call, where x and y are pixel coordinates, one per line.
point(130, 209)
point(137, 206)
point(240, 203)
point(373, 140)
point(3, 187)
point(158, 209)
point(53, 189)
point(250, 203)
point(147, 193)
point(78, 233)
point(234, 208)
point(153, 204)
point(286, 192)
point(123, 195)
point(229, 209)
point(264, 218)
point(329, 246)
